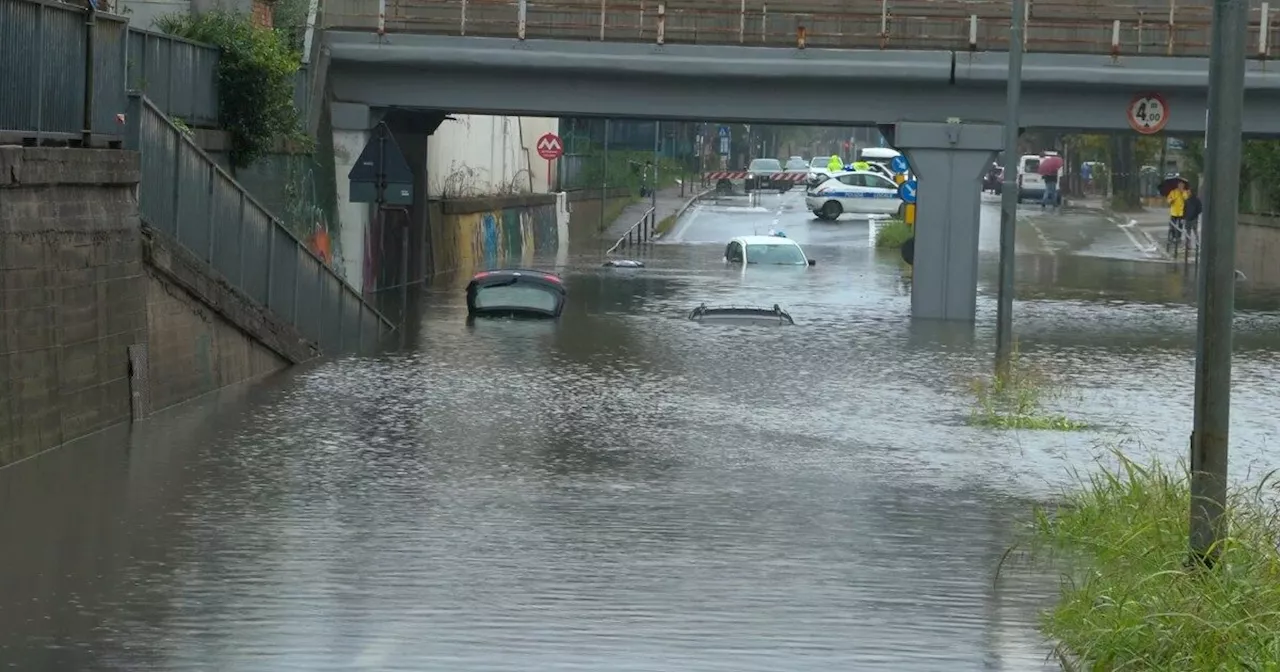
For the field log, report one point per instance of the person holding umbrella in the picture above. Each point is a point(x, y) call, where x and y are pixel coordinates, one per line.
point(1050, 166)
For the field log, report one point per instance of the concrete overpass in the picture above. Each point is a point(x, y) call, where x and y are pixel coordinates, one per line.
point(947, 104)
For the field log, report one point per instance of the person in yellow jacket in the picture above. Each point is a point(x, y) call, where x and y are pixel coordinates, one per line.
point(862, 165)
point(835, 164)
point(1177, 199)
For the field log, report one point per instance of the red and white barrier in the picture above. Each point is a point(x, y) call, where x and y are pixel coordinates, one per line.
point(742, 175)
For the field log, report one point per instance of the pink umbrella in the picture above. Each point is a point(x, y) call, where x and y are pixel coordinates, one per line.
point(1050, 165)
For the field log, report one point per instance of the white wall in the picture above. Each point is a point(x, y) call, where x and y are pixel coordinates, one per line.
point(349, 250)
point(142, 13)
point(479, 155)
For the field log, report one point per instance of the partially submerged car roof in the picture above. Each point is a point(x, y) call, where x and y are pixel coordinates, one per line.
point(524, 274)
point(741, 314)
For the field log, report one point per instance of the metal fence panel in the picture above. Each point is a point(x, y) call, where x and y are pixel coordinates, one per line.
point(307, 308)
point(179, 76)
point(256, 242)
point(228, 229)
point(109, 57)
point(62, 72)
point(330, 319)
point(350, 313)
point(284, 274)
point(159, 166)
point(194, 204)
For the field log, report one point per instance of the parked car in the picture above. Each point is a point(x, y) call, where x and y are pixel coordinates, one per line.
point(858, 192)
point(515, 293)
point(741, 315)
point(763, 174)
point(766, 250)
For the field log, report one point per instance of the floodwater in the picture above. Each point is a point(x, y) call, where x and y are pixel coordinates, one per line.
point(624, 490)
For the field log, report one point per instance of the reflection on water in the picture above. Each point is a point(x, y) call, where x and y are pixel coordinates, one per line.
point(623, 489)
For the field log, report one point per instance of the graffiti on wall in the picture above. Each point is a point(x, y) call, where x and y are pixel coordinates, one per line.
point(503, 237)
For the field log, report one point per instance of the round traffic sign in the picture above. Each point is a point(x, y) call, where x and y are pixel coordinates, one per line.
point(1148, 113)
point(550, 147)
point(899, 164)
point(907, 191)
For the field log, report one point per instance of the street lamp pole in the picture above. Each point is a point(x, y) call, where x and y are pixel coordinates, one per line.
point(1217, 279)
point(1009, 190)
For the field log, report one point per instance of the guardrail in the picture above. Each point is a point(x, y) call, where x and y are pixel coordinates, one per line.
point(639, 233)
point(1064, 26)
point(189, 197)
point(66, 71)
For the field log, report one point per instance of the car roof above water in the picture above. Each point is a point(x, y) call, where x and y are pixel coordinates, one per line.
point(765, 240)
point(741, 314)
point(499, 275)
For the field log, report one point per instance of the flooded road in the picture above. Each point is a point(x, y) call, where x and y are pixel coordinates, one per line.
point(625, 490)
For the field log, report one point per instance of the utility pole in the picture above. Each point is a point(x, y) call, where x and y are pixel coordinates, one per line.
point(604, 181)
point(1217, 280)
point(1009, 191)
point(657, 147)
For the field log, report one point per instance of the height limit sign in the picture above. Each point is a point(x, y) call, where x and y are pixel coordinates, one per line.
point(1148, 113)
point(550, 148)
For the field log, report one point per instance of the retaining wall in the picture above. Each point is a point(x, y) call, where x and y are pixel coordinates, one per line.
point(1258, 249)
point(92, 331)
point(584, 213)
point(477, 234)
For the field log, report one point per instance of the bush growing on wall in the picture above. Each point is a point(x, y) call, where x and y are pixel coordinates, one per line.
point(255, 79)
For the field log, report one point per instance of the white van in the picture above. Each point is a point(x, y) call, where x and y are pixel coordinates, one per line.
point(1030, 182)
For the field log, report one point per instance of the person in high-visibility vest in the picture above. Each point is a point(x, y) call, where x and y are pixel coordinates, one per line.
point(835, 164)
point(861, 165)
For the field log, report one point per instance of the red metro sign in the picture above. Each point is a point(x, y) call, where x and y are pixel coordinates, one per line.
point(549, 147)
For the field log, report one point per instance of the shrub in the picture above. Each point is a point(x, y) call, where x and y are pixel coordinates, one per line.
point(1133, 604)
point(893, 234)
point(255, 79)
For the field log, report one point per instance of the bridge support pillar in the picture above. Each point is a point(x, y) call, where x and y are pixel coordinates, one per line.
point(949, 160)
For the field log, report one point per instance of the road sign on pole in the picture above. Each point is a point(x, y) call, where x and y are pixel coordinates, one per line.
point(899, 164)
point(381, 175)
point(724, 146)
point(909, 215)
point(907, 192)
point(724, 131)
point(1148, 113)
point(550, 148)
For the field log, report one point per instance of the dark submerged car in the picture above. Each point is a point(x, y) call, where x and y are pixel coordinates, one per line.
point(741, 315)
point(515, 293)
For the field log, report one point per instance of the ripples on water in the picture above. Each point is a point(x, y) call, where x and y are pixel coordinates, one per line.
point(625, 490)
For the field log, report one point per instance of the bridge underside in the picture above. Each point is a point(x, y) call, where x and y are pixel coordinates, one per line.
point(753, 84)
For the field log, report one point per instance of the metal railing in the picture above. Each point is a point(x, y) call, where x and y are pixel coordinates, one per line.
point(62, 70)
point(52, 89)
point(640, 233)
point(179, 76)
point(1157, 27)
point(189, 197)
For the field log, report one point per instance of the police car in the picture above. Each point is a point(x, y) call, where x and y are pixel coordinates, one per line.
point(861, 192)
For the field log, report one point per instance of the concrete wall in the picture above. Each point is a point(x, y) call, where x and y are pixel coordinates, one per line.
point(1258, 249)
point(478, 155)
point(584, 214)
point(476, 234)
point(78, 288)
point(142, 13)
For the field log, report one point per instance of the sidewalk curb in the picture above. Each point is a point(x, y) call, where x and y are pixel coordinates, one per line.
point(683, 208)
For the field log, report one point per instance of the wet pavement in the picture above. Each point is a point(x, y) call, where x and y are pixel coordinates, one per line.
point(624, 490)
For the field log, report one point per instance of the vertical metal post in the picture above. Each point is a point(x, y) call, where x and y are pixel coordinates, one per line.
point(382, 17)
point(522, 15)
point(37, 94)
point(657, 146)
point(90, 23)
point(742, 22)
point(1264, 28)
point(176, 176)
point(662, 22)
point(213, 177)
point(604, 181)
point(462, 20)
point(1217, 281)
point(271, 259)
point(602, 18)
point(764, 23)
point(1009, 191)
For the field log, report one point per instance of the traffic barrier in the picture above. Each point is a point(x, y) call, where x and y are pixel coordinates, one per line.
point(742, 175)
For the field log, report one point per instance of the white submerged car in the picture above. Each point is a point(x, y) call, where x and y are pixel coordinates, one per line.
point(854, 192)
point(766, 250)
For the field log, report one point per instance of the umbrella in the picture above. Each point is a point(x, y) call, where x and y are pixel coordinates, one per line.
point(1050, 165)
point(1171, 183)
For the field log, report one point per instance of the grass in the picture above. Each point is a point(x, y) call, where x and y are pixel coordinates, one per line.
point(1015, 398)
point(893, 234)
point(1134, 605)
point(613, 209)
point(665, 225)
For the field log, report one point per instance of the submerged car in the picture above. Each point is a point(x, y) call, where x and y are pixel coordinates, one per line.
point(766, 250)
point(515, 293)
point(741, 314)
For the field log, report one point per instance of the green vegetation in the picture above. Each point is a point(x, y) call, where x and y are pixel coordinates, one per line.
point(1015, 398)
point(893, 234)
point(255, 79)
point(667, 222)
point(1133, 605)
point(625, 169)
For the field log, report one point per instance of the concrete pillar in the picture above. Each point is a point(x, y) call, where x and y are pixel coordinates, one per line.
point(948, 159)
point(351, 124)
